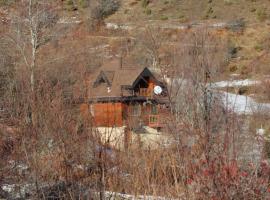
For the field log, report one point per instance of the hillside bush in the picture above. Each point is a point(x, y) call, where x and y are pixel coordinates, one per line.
point(242, 90)
point(208, 13)
point(148, 11)
point(105, 9)
point(237, 25)
point(233, 68)
point(232, 51)
point(69, 4)
point(266, 89)
point(166, 2)
point(84, 3)
point(228, 2)
point(145, 3)
point(163, 17)
point(261, 14)
point(258, 47)
point(6, 2)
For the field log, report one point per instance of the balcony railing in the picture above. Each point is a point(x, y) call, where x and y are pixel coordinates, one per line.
point(146, 92)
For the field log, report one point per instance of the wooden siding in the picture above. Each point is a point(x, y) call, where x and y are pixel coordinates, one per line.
point(108, 114)
point(148, 116)
point(121, 114)
point(85, 112)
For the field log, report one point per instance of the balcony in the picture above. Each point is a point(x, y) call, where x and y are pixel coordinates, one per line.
point(145, 92)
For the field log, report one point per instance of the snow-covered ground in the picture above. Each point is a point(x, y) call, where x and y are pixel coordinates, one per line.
point(235, 83)
point(148, 136)
point(69, 20)
point(17, 191)
point(242, 104)
point(239, 104)
point(167, 25)
point(115, 26)
point(112, 195)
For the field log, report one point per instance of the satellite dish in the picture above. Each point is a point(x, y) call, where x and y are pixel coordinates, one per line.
point(157, 90)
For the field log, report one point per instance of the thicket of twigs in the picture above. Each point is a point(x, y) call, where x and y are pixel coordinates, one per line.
point(41, 127)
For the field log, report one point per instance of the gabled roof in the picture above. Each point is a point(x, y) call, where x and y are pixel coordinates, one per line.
point(104, 76)
point(116, 77)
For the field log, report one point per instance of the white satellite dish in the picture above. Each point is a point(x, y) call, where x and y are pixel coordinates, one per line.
point(157, 90)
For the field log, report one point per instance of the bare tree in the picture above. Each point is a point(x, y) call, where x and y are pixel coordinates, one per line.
point(31, 30)
point(149, 46)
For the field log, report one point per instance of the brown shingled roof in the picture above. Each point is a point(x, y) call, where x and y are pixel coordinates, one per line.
point(117, 76)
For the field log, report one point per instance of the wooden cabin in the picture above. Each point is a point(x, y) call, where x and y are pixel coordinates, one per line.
point(122, 95)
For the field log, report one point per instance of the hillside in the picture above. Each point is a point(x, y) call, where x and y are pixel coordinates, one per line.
point(193, 10)
point(135, 99)
point(242, 24)
point(249, 46)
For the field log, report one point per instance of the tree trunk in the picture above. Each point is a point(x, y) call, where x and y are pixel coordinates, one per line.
point(102, 177)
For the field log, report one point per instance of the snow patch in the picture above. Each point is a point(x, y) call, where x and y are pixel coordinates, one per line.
point(139, 197)
point(115, 26)
point(235, 83)
point(72, 20)
point(243, 104)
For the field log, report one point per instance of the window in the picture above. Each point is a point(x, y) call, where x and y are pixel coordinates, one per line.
point(136, 110)
point(154, 109)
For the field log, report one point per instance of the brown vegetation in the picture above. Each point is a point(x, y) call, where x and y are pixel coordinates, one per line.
point(41, 127)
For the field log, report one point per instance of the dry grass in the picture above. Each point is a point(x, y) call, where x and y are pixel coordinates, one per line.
point(193, 10)
point(250, 43)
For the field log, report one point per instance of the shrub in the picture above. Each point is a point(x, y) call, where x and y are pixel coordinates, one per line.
point(267, 149)
point(258, 47)
point(166, 2)
point(233, 68)
point(83, 3)
point(266, 91)
point(242, 90)
point(181, 16)
point(164, 17)
point(133, 3)
point(261, 14)
point(145, 3)
point(6, 2)
point(228, 2)
point(232, 51)
point(208, 12)
point(253, 9)
point(70, 5)
point(237, 25)
point(105, 9)
point(148, 11)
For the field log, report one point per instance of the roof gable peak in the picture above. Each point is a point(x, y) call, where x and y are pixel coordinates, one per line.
point(102, 78)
